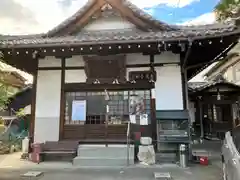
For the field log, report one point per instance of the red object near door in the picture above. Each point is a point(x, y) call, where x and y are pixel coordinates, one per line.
point(35, 155)
point(203, 161)
point(137, 136)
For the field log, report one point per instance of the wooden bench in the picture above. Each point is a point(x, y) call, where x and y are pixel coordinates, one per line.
point(59, 148)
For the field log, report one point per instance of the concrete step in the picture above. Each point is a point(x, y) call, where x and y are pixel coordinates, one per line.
point(105, 151)
point(101, 162)
point(101, 155)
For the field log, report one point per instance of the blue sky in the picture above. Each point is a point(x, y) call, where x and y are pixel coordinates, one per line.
point(176, 15)
point(38, 16)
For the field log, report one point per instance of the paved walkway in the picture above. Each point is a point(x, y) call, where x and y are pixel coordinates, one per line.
point(193, 173)
point(11, 168)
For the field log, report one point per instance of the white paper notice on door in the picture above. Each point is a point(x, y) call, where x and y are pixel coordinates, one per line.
point(144, 119)
point(79, 110)
point(132, 118)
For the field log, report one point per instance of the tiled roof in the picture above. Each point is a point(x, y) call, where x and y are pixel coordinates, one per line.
point(222, 63)
point(196, 85)
point(119, 36)
point(199, 86)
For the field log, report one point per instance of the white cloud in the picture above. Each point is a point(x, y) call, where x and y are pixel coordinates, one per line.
point(47, 14)
point(207, 18)
point(172, 3)
point(43, 15)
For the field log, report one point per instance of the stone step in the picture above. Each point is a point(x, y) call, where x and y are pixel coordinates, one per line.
point(101, 162)
point(101, 155)
point(103, 151)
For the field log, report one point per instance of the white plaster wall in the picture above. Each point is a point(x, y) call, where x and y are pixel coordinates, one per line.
point(74, 61)
point(137, 59)
point(49, 61)
point(75, 76)
point(164, 57)
point(47, 106)
point(168, 88)
point(167, 57)
point(109, 24)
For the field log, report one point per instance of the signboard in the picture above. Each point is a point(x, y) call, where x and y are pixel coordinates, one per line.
point(79, 110)
point(142, 75)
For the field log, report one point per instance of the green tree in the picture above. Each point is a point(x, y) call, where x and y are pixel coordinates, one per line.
point(226, 9)
point(5, 90)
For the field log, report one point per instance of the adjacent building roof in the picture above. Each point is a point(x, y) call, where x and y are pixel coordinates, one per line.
point(222, 62)
point(200, 86)
point(21, 99)
point(11, 76)
point(223, 65)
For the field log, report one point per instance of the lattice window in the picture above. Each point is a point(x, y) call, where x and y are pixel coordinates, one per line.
point(118, 103)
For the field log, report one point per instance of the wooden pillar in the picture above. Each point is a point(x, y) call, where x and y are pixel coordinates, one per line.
point(33, 102)
point(62, 100)
point(201, 118)
point(184, 82)
point(153, 104)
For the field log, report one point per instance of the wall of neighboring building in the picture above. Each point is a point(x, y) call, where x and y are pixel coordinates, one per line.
point(229, 74)
point(237, 73)
point(232, 74)
point(230, 69)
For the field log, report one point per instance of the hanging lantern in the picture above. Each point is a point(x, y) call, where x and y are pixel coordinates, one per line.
point(218, 95)
point(107, 97)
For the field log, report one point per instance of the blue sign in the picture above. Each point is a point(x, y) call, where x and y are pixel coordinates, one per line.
point(79, 110)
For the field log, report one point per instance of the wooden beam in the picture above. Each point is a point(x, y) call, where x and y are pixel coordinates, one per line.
point(82, 87)
point(127, 66)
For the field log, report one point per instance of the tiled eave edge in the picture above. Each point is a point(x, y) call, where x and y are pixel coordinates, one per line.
point(74, 41)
